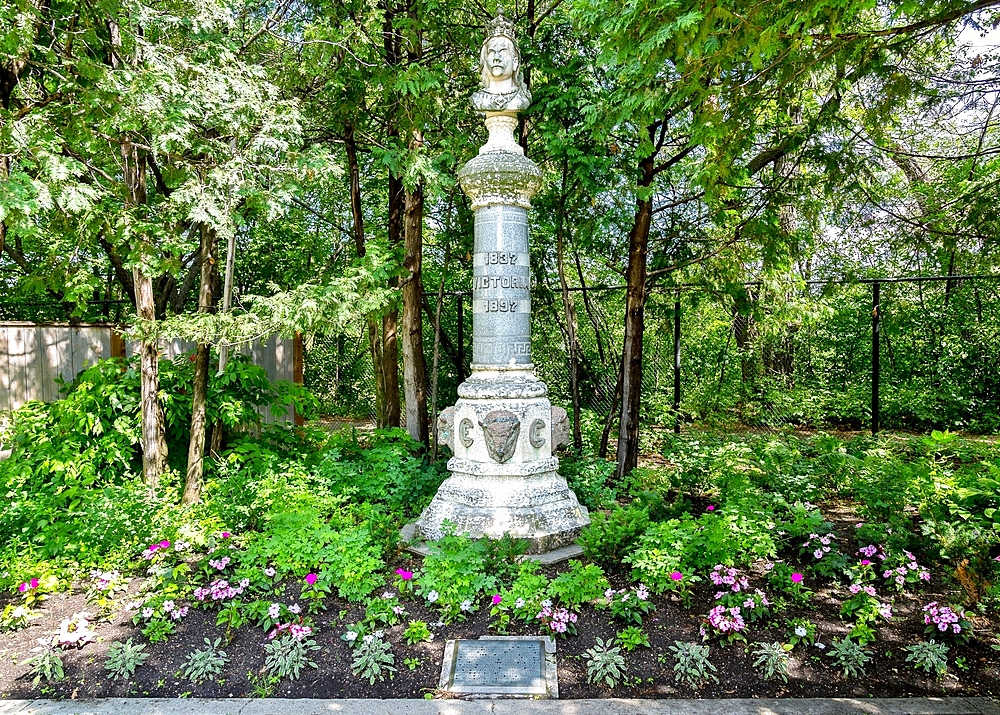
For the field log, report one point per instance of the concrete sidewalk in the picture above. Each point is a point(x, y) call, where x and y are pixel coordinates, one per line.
point(805, 706)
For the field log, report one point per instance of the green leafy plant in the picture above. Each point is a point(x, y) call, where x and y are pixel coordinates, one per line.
point(930, 656)
point(373, 659)
point(412, 663)
point(417, 632)
point(581, 584)
point(455, 572)
point(629, 605)
point(287, 656)
point(609, 537)
point(205, 663)
point(124, 658)
point(632, 637)
point(48, 665)
point(772, 660)
point(158, 630)
point(801, 630)
point(605, 663)
point(692, 667)
point(849, 656)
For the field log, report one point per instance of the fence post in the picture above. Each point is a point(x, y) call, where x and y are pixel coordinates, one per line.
point(677, 362)
point(298, 370)
point(876, 343)
point(461, 339)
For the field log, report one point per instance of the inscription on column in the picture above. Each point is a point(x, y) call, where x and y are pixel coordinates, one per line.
point(501, 302)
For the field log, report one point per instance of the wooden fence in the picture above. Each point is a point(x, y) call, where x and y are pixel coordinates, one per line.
point(32, 356)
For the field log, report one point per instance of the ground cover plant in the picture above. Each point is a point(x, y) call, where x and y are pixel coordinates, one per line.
point(736, 564)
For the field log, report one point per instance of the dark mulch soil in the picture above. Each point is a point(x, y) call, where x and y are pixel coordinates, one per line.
point(973, 668)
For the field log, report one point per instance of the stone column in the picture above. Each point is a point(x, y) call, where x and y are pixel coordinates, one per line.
point(504, 477)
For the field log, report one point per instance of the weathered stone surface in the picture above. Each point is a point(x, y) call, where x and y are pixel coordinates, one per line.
point(446, 427)
point(503, 430)
point(560, 428)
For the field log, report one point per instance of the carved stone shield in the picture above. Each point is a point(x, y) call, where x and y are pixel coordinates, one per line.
point(501, 428)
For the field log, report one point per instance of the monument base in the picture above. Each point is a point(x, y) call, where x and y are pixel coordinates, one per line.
point(540, 508)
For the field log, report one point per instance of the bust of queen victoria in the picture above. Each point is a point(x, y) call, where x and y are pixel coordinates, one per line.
point(503, 87)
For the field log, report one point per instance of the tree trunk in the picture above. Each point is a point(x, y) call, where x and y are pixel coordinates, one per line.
point(570, 311)
point(390, 342)
point(199, 388)
point(635, 305)
point(414, 366)
point(154, 440)
point(358, 221)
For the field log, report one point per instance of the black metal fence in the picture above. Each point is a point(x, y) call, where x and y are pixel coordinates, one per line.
point(902, 353)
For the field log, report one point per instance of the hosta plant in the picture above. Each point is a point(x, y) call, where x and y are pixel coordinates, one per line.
point(124, 658)
point(692, 667)
point(206, 663)
point(288, 655)
point(373, 659)
point(605, 663)
point(851, 657)
point(930, 656)
point(772, 660)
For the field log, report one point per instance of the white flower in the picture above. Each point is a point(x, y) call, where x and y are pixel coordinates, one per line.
point(800, 631)
point(370, 638)
point(821, 646)
point(75, 630)
point(351, 636)
point(270, 572)
point(465, 606)
point(295, 608)
point(519, 603)
point(432, 596)
point(546, 603)
point(147, 612)
point(273, 611)
point(389, 594)
point(168, 605)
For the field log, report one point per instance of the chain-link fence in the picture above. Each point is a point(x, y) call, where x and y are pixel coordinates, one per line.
point(769, 357)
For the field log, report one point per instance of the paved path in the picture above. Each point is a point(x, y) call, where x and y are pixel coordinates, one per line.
point(805, 706)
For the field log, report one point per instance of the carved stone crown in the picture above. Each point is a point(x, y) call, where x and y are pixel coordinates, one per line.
point(501, 27)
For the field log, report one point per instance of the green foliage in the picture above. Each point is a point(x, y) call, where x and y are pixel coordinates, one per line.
point(692, 667)
point(772, 660)
point(605, 664)
point(930, 656)
point(124, 658)
point(456, 571)
point(591, 480)
point(373, 659)
point(581, 584)
point(849, 656)
point(631, 638)
point(205, 663)
point(417, 632)
point(287, 656)
point(610, 537)
point(48, 665)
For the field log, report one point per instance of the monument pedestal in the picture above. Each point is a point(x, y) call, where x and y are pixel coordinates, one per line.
point(504, 477)
point(503, 414)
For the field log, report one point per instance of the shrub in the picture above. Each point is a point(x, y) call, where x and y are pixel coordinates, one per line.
point(610, 537)
point(581, 584)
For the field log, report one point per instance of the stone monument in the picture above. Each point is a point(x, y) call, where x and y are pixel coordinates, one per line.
point(504, 477)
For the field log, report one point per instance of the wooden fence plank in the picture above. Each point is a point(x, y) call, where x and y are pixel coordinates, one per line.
point(5, 401)
point(55, 354)
point(20, 354)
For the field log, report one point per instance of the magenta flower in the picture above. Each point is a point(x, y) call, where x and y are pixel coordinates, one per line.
point(796, 578)
point(311, 579)
point(22, 588)
point(225, 534)
point(676, 575)
point(865, 562)
point(164, 544)
point(153, 547)
point(496, 599)
point(34, 583)
point(404, 574)
point(710, 507)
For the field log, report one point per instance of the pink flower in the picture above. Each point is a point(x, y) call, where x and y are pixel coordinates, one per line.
point(676, 575)
point(865, 562)
point(311, 579)
point(796, 578)
point(404, 574)
point(496, 599)
point(164, 544)
point(22, 588)
point(710, 507)
point(225, 534)
point(34, 583)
